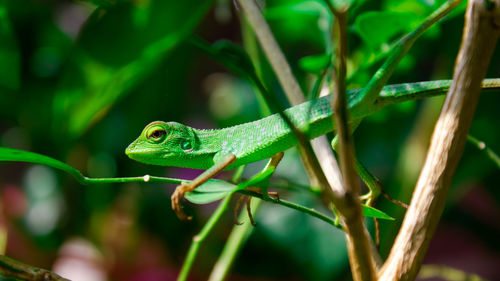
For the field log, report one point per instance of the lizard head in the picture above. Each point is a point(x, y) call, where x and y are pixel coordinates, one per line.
point(163, 143)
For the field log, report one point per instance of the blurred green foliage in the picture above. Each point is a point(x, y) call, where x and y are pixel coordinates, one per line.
point(79, 81)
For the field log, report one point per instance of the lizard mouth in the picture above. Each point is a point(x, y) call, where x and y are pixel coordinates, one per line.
point(145, 155)
point(130, 151)
point(136, 153)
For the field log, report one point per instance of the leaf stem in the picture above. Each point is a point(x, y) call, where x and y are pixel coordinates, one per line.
point(483, 147)
point(291, 205)
point(145, 178)
point(201, 236)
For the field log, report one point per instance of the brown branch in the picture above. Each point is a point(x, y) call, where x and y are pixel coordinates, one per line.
point(339, 103)
point(290, 87)
point(482, 29)
point(362, 264)
point(326, 171)
point(13, 268)
point(270, 46)
point(295, 96)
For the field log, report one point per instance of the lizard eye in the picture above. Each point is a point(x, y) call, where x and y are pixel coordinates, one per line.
point(186, 145)
point(156, 134)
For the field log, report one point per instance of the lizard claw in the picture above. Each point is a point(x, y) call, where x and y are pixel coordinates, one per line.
point(176, 202)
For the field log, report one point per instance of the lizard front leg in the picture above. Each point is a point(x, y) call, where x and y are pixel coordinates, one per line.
point(272, 164)
point(180, 190)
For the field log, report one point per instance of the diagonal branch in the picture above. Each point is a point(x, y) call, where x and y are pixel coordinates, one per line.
point(292, 90)
point(482, 29)
point(360, 245)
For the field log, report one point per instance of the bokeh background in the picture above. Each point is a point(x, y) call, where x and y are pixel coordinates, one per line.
point(79, 81)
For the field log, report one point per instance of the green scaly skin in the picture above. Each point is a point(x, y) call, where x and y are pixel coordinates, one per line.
point(174, 144)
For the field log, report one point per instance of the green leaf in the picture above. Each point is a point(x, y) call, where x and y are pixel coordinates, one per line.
point(229, 54)
point(234, 57)
point(377, 28)
point(9, 53)
point(292, 9)
point(15, 155)
point(316, 63)
point(210, 191)
point(118, 47)
point(300, 22)
point(214, 190)
point(258, 179)
point(371, 212)
point(343, 4)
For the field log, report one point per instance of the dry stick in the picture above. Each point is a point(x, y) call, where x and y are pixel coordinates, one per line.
point(269, 45)
point(482, 29)
point(339, 104)
point(361, 268)
point(364, 251)
point(292, 91)
point(16, 269)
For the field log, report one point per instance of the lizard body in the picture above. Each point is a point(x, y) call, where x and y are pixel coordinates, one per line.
point(174, 144)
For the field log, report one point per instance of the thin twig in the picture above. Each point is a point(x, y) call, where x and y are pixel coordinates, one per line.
point(481, 32)
point(291, 205)
point(395, 201)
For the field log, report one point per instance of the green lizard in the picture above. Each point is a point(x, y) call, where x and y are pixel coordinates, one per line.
point(174, 144)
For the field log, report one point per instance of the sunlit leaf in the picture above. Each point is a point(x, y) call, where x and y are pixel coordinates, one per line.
point(296, 8)
point(15, 155)
point(300, 21)
point(214, 190)
point(315, 63)
point(377, 28)
point(258, 179)
point(343, 4)
point(371, 212)
point(210, 191)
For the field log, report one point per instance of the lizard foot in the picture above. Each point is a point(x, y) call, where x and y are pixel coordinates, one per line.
point(273, 194)
point(244, 199)
point(249, 211)
point(176, 201)
point(237, 208)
